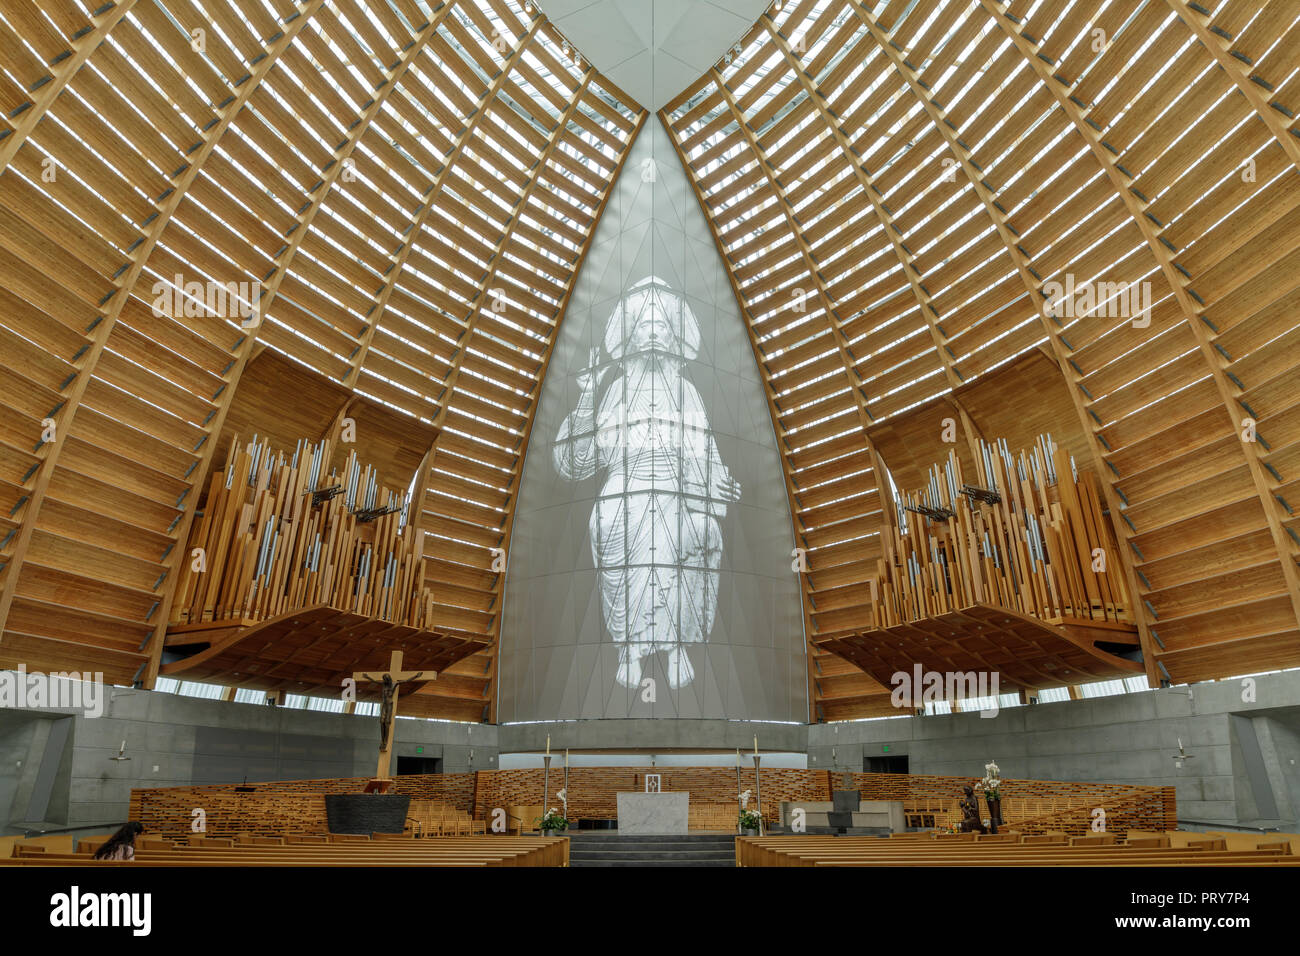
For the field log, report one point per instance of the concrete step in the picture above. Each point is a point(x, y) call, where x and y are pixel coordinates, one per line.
point(606, 836)
point(715, 864)
point(678, 849)
point(615, 854)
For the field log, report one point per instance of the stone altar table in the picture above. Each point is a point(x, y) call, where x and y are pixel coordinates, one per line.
point(654, 813)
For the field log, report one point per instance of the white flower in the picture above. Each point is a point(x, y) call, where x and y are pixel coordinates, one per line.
point(744, 799)
point(563, 795)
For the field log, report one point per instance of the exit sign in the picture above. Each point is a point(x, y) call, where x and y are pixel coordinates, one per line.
point(886, 748)
point(420, 750)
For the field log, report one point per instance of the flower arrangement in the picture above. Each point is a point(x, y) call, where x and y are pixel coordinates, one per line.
point(992, 782)
point(554, 820)
point(750, 820)
point(744, 798)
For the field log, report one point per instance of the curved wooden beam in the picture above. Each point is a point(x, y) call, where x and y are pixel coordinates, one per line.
point(924, 301)
point(1220, 47)
point(82, 48)
point(833, 321)
point(226, 394)
point(458, 360)
point(1033, 287)
point(404, 253)
point(165, 207)
point(494, 261)
point(1229, 394)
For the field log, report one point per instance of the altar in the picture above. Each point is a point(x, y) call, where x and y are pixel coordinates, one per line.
point(654, 813)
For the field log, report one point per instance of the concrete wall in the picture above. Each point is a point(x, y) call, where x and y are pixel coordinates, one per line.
point(174, 740)
point(1245, 769)
point(650, 735)
point(21, 739)
point(1130, 738)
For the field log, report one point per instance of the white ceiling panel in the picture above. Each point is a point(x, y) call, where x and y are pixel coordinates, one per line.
point(653, 49)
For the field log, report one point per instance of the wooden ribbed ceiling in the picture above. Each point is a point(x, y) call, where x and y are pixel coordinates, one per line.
point(387, 171)
point(890, 185)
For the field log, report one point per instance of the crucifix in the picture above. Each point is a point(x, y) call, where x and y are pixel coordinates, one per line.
point(391, 679)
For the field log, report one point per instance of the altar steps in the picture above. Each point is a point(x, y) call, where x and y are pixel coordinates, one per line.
point(607, 848)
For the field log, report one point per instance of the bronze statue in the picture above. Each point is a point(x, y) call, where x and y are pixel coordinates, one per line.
point(386, 705)
point(970, 812)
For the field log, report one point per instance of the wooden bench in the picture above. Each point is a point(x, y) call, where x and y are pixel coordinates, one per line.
point(994, 851)
point(389, 850)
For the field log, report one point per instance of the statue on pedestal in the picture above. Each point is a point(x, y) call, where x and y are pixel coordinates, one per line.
point(970, 812)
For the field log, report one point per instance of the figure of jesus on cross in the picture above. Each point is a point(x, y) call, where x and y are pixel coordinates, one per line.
point(391, 679)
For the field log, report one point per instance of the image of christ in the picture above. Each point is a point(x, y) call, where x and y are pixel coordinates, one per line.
point(655, 534)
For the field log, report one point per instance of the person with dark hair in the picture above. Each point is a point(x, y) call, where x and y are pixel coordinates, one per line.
point(121, 845)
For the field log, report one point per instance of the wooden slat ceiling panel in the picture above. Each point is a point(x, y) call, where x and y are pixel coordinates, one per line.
point(891, 186)
point(372, 167)
point(993, 155)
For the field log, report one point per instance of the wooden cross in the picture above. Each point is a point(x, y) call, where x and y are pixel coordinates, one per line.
point(391, 679)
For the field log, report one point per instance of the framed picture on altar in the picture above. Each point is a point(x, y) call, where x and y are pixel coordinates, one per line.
point(652, 783)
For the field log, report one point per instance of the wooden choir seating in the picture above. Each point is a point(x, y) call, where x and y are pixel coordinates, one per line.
point(311, 850)
point(522, 818)
point(939, 814)
point(704, 815)
point(708, 815)
point(430, 818)
point(1014, 849)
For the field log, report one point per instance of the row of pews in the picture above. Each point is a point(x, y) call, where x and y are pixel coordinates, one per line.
point(1009, 849)
point(432, 818)
point(311, 850)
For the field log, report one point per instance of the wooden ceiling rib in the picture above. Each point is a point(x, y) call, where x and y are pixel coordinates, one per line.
point(414, 187)
point(297, 233)
point(981, 188)
point(988, 155)
point(375, 168)
point(63, 64)
point(55, 551)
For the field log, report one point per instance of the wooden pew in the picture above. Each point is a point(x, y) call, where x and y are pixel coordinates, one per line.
point(950, 851)
point(388, 850)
